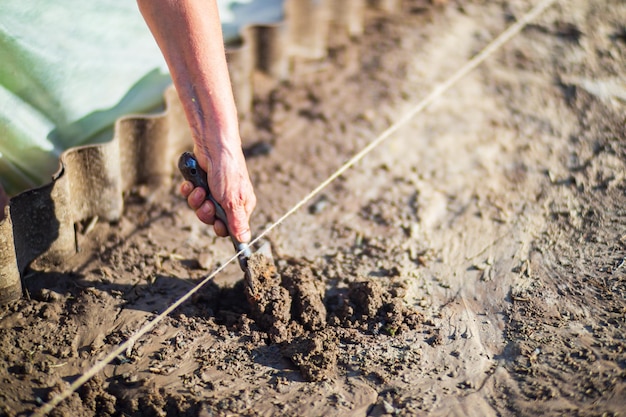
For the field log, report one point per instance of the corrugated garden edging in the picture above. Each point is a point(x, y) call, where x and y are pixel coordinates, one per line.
point(39, 226)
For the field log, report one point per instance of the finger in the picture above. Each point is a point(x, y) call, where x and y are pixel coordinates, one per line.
point(220, 228)
point(186, 187)
point(206, 212)
point(238, 221)
point(196, 198)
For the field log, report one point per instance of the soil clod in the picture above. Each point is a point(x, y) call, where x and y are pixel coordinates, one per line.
point(315, 354)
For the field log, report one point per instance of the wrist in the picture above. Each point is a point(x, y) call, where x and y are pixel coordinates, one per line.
point(214, 123)
point(215, 146)
point(215, 153)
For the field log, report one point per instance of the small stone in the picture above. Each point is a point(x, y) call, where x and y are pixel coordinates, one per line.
point(389, 409)
point(27, 368)
point(205, 260)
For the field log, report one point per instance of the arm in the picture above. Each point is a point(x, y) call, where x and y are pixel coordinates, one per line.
point(190, 36)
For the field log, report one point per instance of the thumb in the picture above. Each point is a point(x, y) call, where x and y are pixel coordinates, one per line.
point(238, 224)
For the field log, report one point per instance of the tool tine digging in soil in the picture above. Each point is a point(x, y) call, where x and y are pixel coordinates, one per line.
point(191, 170)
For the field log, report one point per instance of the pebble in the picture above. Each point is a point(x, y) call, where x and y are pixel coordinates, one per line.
point(389, 409)
point(205, 260)
point(27, 368)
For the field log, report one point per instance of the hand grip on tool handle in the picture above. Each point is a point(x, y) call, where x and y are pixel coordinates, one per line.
point(191, 170)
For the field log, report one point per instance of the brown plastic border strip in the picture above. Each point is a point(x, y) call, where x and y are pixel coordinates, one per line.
point(39, 225)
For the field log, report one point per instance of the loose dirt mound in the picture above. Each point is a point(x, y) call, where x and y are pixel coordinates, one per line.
point(290, 307)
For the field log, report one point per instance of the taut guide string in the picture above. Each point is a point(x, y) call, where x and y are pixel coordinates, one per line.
point(493, 46)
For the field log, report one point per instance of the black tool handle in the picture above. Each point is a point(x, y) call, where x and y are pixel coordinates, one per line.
point(191, 170)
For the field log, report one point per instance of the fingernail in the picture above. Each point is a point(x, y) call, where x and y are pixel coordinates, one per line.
point(207, 209)
point(195, 194)
point(245, 236)
point(186, 187)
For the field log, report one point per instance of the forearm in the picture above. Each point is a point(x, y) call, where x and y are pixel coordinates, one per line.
point(190, 37)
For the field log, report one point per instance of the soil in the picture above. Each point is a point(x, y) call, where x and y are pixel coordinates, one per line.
point(474, 264)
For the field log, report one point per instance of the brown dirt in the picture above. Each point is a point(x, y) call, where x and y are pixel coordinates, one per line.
point(474, 264)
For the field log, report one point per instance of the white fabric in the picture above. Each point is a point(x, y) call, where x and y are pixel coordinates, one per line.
point(70, 68)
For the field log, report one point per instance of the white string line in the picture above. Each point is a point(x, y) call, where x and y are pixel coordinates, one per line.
point(493, 46)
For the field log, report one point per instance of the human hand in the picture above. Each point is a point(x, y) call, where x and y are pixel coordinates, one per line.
point(230, 185)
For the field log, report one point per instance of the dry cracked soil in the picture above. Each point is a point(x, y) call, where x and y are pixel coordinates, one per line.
point(473, 264)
